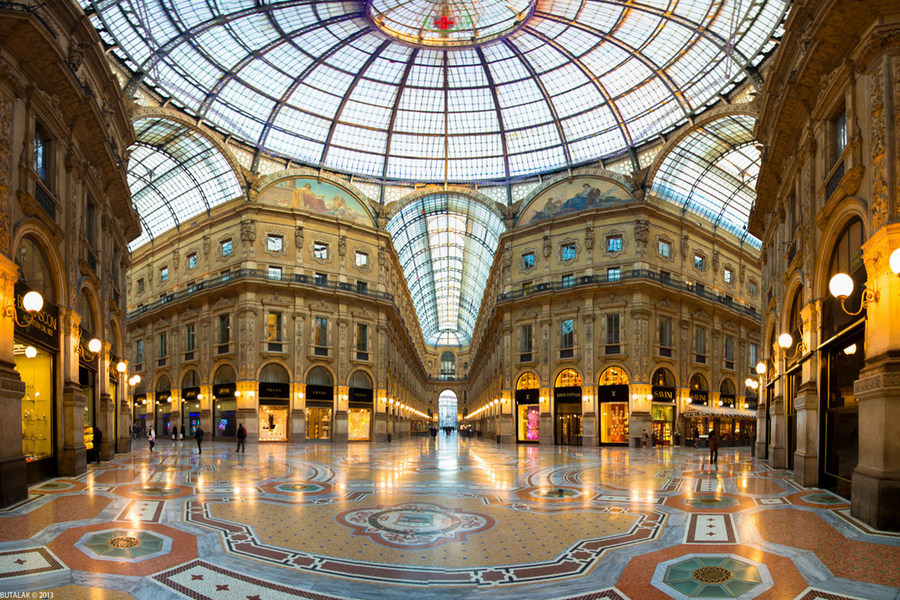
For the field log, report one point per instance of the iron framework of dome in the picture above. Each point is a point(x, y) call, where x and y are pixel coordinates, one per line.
point(550, 85)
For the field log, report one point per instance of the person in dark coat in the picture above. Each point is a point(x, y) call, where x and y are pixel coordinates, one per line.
point(198, 435)
point(241, 436)
point(151, 437)
point(175, 433)
point(98, 437)
point(713, 447)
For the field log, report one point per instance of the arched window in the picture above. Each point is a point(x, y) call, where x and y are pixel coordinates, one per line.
point(163, 384)
point(846, 257)
point(663, 378)
point(274, 373)
point(528, 381)
point(448, 365)
point(727, 387)
point(319, 376)
point(568, 378)
point(225, 374)
point(34, 269)
point(361, 380)
point(698, 382)
point(85, 309)
point(190, 379)
point(614, 376)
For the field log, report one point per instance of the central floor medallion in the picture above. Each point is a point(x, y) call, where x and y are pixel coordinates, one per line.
point(414, 525)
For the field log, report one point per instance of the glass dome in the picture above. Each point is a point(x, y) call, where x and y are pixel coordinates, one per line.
point(461, 91)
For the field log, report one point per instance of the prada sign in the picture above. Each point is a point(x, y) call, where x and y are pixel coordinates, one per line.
point(274, 390)
point(319, 392)
point(361, 395)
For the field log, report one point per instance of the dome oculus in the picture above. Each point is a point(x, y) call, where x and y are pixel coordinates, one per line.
point(447, 23)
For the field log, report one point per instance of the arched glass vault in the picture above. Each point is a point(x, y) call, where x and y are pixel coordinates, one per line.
point(175, 173)
point(440, 91)
point(446, 244)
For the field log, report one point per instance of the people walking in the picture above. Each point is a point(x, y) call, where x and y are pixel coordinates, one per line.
point(241, 436)
point(198, 435)
point(175, 433)
point(151, 436)
point(645, 439)
point(713, 447)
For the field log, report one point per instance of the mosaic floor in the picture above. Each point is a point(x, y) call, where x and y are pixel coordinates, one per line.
point(451, 518)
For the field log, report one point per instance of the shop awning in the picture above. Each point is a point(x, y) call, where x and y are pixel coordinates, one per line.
point(718, 411)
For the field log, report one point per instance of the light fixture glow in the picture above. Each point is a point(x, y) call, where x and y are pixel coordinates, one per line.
point(94, 345)
point(761, 368)
point(850, 350)
point(785, 340)
point(841, 285)
point(121, 367)
point(33, 302)
point(30, 352)
point(894, 261)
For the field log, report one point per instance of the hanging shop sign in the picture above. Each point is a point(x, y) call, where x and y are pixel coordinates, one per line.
point(699, 397)
point(221, 390)
point(532, 396)
point(362, 395)
point(567, 394)
point(663, 394)
point(44, 328)
point(319, 392)
point(274, 390)
point(612, 393)
point(190, 393)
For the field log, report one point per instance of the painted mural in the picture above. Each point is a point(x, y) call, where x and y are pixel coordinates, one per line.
point(318, 197)
point(571, 196)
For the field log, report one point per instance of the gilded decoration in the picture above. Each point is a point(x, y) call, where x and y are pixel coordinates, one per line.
point(567, 196)
point(318, 197)
point(879, 151)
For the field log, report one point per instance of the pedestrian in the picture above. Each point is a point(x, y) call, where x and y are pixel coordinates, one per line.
point(645, 438)
point(175, 433)
point(198, 435)
point(713, 447)
point(241, 436)
point(152, 437)
point(98, 437)
point(696, 438)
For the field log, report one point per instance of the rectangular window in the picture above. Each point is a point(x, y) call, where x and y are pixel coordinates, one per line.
point(699, 262)
point(665, 276)
point(665, 336)
point(567, 338)
point(192, 260)
point(525, 342)
point(751, 288)
point(527, 287)
point(612, 329)
point(189, 338)
point(273, 327)
point(753, 354)
point(164, 274)
point(90, 216)
point(140, 285)
point(224, 329)
point(664, 249)
point(614, 243)
point(320, 250)
point(568, 251)
point(568, 280)
point(139, 352)
point(728, 275)
point(362, 259)
point(321, 336)
point(528, 260)
point(42, 155)
point(613, 274)
point(729, 352)
point(321, 279)
point(700, 345)
point(839, 135)
point(362, 337)
point(163, 347)
point(362, 287)
point(275, 243)
point(275, 273)
point(226, 248)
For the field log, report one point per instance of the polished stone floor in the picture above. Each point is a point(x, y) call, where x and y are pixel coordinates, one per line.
point(451, 518)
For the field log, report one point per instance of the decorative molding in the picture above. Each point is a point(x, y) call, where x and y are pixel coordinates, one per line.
point(879, 202)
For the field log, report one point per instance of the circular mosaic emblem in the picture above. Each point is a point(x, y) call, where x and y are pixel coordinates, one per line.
point(124, 546)
point(710, 501)
point(822, 498)
point(414, 525)
point(712, 576)
point(555, 493)
point(299, 488)
point(124, 542)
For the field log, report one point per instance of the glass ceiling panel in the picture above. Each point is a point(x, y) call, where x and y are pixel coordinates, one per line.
point(712, 172)
point(240, 64)
point(446, 244)
point(174, 174)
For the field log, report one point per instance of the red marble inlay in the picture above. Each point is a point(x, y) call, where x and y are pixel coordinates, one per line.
point(59, 510)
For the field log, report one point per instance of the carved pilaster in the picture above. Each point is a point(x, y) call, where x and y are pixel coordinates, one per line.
point(879, 201)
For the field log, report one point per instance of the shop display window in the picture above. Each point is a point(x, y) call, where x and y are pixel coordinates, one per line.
point(35, 367)
point(273, 423)
point(359, 422)
point(614, 423)
point(663, 420)
point(318, 423)
point(529, 423)
point(225, 418)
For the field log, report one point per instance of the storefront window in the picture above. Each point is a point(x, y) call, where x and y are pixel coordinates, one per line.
point(529, 420)
point(273, 423)
point(614, 423)
point(359, 423)
point(318, 423)
point(663, 423)
point(35, 367)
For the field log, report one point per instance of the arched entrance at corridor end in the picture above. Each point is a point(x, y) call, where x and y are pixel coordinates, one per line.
point(447, 409)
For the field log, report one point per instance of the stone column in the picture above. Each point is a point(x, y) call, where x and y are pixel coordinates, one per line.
point(70, 423)
point(806, 455)
point(13, 477)
point(875, 485)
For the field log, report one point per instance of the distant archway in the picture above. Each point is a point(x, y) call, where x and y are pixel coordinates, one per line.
point(447, 409)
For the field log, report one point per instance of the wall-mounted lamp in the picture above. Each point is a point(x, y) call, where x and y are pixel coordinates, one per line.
point(199, 396)
point(841, 286)
point(121, 366)
point(751, 383)
point(94, 346)
point(134, 380)
point(849, 350)
point(237, 393)
point(894, 262)
point(760, 368)
point(30, 352)
point(32, 302)
point(786, 340)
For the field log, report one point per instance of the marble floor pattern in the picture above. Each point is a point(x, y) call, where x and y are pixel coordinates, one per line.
point(446, 518)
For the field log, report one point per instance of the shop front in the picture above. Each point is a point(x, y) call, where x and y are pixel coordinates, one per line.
point(612, 402)
point(528, 409)
point(88, 378)
point(697, 425)
point(36, 354)
point(139, 413)
point(662, 411)
point(360, 407)
point(163, 404)
point(567, 408)
point(274, 400)
point(224, 404)
point(319, 404)
point(190, 411)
